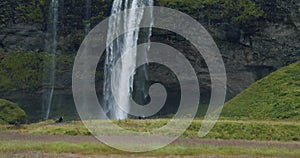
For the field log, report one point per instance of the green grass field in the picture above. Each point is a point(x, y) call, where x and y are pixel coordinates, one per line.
point(280, 132)
point(224, 129)
point(100, 149)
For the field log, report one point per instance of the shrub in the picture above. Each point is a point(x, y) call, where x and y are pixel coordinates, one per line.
point(11, 113)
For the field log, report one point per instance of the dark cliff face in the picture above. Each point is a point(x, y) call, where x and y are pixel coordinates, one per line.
point(274, 45)
point(251, 49)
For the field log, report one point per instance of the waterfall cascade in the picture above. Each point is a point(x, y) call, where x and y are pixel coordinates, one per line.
point(121, 46)
point(52, 30)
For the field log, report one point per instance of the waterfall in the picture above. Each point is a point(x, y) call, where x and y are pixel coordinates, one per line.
point(87, 26)
point(52, 30)
point(121, 46)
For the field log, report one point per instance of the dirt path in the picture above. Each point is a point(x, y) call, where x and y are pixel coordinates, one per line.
point(181, 141)
point(33, 154)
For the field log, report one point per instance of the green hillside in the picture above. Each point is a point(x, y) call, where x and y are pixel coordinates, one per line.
point(276, 96)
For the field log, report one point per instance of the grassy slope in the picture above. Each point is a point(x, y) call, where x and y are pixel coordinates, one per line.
point(276, 96)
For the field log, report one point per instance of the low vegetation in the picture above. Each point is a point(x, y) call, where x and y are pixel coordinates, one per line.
point(28, 70)
point(101, 149)
point(21, 70)
point(11, 113)
point(224, 129)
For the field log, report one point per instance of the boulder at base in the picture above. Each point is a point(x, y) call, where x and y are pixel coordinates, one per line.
point(11, 113)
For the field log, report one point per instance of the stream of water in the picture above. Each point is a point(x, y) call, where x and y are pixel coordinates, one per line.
point(87, 27)
point(52, 30)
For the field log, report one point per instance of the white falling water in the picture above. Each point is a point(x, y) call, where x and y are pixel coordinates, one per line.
point(53, 47)
point(122, 46)
point(87, 28)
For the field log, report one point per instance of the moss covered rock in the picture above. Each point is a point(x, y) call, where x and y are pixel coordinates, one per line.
point(11, 113)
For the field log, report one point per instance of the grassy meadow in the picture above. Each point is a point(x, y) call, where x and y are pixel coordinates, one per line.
point(268, 111)
point(256, 131)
